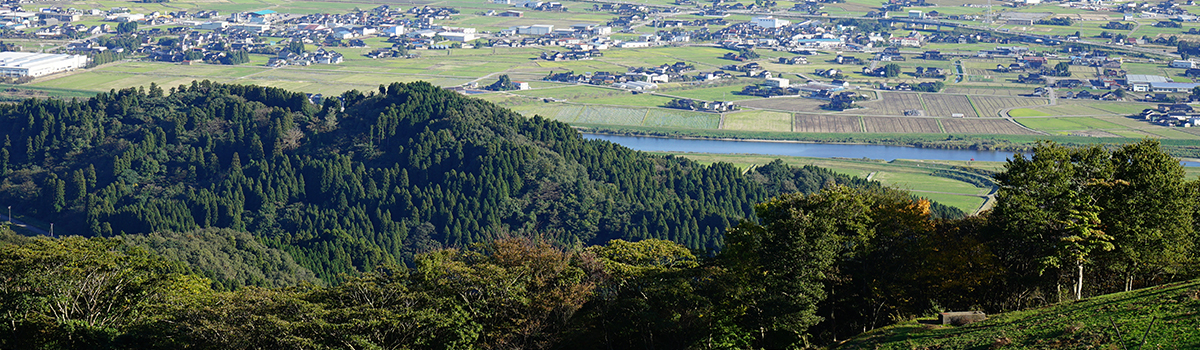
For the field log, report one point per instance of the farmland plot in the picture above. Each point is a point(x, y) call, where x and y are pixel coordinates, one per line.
point(901, 125)
point(568, 113)
point(787, 104)
point(1122, 108)
point(682, 119)
point(1062, 110)
point(984, 126)
point(550, 112)
point(990, 106)
point(611, 115)
point(758, 120)
point(891, 103)
point(827, 123)
point(969, 90)
point(946, 105)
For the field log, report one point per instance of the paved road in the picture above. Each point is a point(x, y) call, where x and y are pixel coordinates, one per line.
point(22, 224)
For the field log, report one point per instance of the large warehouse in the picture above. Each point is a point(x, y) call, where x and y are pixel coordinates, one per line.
point(19, 64)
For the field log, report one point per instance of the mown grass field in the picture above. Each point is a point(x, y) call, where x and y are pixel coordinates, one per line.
point(1168, 317)
point(899, 174)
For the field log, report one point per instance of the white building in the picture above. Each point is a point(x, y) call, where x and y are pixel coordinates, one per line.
point(1187, 64)
point(212, 25)
point(822, 43)
point(636, 86)
point(251, 27)
point(19, 64)
point(396, 30)
point(459, 37)
point(1141, 82)
point(915, 14)
point(540, 29)
point(770, 22)
point(777, 82)
point(130, 17)
point(537, 29)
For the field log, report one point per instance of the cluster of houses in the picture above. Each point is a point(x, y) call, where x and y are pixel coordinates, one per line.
point(774, 87)
point(321, 56)
point(551, 6)
point(1165, 9)
point(196, 45)
point(1175, 114)
point(701, 106)
point(676, 72)
point(15, 18)
point(388, 52)
point(923, 86)
point(570, 55)
point(919, 72)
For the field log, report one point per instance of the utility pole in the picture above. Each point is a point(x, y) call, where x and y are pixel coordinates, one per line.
point(51, 230)
point(10, 214)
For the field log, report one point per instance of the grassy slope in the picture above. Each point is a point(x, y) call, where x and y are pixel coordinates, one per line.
point(1174, 308)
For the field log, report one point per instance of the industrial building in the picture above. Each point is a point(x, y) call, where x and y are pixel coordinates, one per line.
point(20, 64)
point(770, 22)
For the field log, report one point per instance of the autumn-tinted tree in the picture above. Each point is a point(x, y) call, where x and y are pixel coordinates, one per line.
point(84, 293)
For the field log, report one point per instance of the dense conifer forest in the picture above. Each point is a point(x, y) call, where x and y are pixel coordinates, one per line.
point(230, 217)
point(361, 180)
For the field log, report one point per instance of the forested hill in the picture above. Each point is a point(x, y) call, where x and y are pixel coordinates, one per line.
point(363, 179)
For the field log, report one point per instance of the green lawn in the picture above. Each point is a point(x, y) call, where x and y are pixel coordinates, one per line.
point(1166, 316)
point(1026, 112)
point(1073, 123)
point(968, 204)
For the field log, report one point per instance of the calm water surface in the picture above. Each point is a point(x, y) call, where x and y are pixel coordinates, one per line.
point(819, 150)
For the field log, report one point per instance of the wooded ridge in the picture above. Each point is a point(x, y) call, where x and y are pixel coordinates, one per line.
point(228, 216)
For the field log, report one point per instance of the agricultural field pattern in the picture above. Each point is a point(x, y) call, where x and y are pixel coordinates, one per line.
point(977, 93)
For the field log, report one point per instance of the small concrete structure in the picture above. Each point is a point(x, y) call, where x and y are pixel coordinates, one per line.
point(961, 317)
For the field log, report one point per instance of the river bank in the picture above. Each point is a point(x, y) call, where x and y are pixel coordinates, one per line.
point(1186, 149)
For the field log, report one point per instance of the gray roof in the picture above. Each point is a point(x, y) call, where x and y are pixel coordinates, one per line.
point(1141, 78)
point(1173, 85)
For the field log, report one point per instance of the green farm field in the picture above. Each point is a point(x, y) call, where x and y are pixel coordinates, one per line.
point(759, 121)
point(899, 174)
point(1060, 124)
point(1027, 112)
point(983, 96)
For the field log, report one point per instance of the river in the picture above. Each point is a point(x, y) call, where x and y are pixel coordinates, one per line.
point(817, 150)
point(801, 149)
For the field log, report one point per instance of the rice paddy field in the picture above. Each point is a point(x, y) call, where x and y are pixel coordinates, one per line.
point(758, 121)
point(906, 125)
point(893, 103)
point(826, 123)
point(991, 102)
point(943, 105)
point(984, 126)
